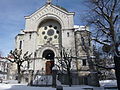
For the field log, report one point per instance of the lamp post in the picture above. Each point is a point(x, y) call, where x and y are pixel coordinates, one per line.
point(54, 73)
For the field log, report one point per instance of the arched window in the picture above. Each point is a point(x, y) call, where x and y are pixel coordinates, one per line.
point(20, 46)
point(68, 34)
point(48, 54)
point(84, 63)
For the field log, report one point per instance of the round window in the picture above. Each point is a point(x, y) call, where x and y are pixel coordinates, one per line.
point(45, 28)
point(57, 32)
point(50, 32)
point(55, 36)
point(45, 37)
point(55, 27)
point(43, 32)
point(50, 26)
point(50, 39)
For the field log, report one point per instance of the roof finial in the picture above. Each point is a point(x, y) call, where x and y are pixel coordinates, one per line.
point(49, 1)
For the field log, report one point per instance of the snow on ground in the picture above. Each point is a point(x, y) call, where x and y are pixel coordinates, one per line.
point(108, 83)
point(22, 87)
point(12, 85)
point(44, 80)
point(25, 87)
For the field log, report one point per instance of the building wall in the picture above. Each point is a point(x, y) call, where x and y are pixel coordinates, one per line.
point(5, 69)
point(36, 37)
point(83, 48)
point(49, 11)
point(33, 37)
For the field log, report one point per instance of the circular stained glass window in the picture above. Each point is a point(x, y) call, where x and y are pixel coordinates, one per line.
point(50, 32)
point(50, 26)
point(45, 37)
point(57, 32)
point(55, 27)
point(55, 36)
point(45, 28)
point(50, 39)
point(43, 32)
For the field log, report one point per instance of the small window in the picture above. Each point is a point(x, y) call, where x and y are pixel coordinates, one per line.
point(89, 43)
point(43, 32)
point(55, 36)
point(55, 27)
point(30, 36)
point(20, 45)
point(68, 34)
point(50, 39)
point(45, 28)
point(50, 26)
point(84, 62)
point(57, 32)
point(45, 37)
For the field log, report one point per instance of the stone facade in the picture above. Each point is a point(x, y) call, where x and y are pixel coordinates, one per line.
point(46, 32)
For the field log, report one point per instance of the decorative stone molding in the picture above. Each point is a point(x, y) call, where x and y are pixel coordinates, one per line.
point(50, 11)
point(46, 11)
point(46, 47)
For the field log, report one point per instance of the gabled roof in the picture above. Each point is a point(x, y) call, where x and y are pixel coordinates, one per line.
point(51, 5)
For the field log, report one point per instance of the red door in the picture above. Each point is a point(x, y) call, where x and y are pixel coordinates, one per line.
point(49, 65)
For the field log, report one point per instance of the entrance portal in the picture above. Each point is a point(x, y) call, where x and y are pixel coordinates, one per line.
point(49, 65)
point(49, 56)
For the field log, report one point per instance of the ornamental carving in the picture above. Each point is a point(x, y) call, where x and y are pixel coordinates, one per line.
point(48, 10)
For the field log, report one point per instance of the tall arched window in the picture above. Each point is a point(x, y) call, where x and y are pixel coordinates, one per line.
point(20, 46)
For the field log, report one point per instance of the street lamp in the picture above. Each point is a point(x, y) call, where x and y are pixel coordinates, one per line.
point(54, 73)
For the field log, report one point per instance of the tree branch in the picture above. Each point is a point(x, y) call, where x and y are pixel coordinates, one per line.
point(99, 41)
point(104, 67)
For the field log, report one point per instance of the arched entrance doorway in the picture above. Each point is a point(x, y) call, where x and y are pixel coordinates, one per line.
point(49, 56)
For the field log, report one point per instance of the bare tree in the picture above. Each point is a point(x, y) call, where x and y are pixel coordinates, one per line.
point(17, 57)
point(104, 18)
point(65, 62)
point(104, 64)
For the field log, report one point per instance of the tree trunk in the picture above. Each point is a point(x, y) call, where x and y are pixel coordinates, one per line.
point(117, 70)
point(94, 80)
point(69, 78)
point(117, 64)
point(19, 75)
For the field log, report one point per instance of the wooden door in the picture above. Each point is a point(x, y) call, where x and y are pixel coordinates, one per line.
point(49, 65)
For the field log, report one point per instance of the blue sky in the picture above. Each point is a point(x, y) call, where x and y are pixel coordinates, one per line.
point(12, 19)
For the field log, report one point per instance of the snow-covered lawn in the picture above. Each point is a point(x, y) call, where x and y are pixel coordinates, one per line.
point(25, 87)
point(108, 83)
point(10, 86)
point(22, 87)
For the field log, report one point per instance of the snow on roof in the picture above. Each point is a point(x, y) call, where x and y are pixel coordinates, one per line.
point(79, 28)
point(22, 32)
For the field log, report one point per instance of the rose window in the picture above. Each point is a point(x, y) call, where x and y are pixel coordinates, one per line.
point(50, 32)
